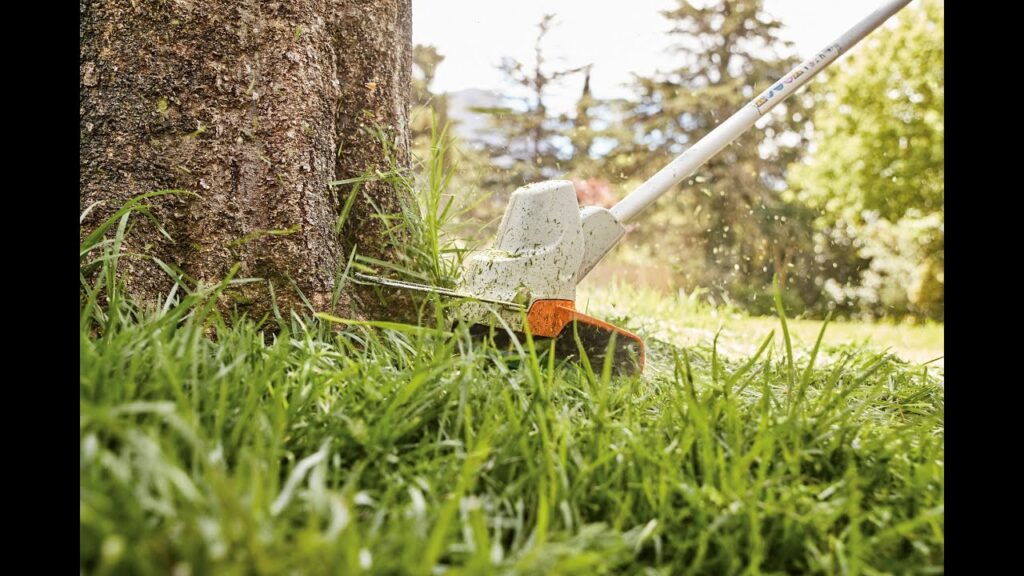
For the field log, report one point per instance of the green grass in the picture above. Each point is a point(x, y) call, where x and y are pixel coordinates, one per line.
point(209, 448)
point(314, 445)
point(685, 321)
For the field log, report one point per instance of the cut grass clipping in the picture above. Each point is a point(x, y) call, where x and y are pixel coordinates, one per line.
point(355, 448)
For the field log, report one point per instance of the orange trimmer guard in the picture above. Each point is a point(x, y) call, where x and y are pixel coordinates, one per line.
point(560, 320)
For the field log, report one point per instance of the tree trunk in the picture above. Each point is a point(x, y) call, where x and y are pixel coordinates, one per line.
point(255, 107)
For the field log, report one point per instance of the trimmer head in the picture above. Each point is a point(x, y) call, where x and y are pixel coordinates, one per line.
point(573, 332)
point(544, 247)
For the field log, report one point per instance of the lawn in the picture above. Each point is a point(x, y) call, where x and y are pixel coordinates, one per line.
point(683, 321)
point(340, 448)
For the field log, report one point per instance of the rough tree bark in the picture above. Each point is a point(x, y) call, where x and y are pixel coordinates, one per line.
point(255, 107)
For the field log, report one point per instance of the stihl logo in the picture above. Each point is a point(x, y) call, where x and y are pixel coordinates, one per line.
point(826, 55)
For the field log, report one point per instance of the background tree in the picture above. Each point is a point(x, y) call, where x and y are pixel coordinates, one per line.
point(529, 142)
point(532, 144)
point(598, 124)
point(255, 108)
point(876, 175)
point(728, 229)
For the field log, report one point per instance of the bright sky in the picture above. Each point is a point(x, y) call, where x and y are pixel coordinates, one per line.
point(617, 37)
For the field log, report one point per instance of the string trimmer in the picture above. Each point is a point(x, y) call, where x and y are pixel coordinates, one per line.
point(547, 244)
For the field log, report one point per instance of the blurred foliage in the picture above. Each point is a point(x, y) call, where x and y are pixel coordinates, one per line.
point(430, 109)
point(448, 174)
point(876, 175)
point(533, 144)
point(838, 191)
point(728, 229)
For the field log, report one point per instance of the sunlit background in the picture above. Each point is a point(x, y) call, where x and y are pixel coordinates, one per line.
point(619, 40)
point(838, 193)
